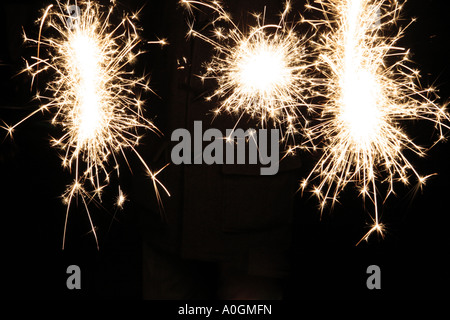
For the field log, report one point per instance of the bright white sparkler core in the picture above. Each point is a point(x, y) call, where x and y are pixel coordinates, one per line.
point(360, 112)
point(262, 69)
point(88, 112)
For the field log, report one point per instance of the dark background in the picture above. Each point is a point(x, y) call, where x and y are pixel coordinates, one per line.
point(326, 263)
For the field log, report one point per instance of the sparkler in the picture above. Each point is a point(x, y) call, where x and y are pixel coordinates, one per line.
point(93, 95)
point(369, 92)
point(261, 72)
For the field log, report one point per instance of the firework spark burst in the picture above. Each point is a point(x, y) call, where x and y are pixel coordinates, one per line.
point(369, 92)
point(93, 97)
point(260, 71)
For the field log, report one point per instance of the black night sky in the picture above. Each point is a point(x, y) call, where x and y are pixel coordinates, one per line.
point(325, 263)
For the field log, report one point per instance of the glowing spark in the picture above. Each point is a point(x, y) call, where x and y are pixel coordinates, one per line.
point(368, 92)
point(92, 96)
point(121, 198)
point(261, 72)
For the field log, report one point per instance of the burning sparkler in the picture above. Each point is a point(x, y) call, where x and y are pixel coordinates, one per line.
point(261, 72)
point(366, 99)
point(93, 95)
